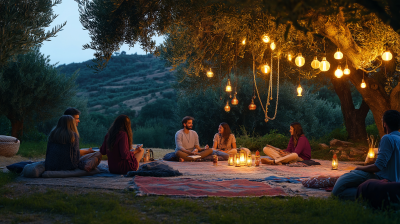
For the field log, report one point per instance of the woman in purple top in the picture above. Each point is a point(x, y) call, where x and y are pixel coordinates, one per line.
point(298, 148)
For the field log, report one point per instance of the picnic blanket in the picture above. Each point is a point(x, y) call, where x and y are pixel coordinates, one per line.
point(155, 169)
point(199, 188)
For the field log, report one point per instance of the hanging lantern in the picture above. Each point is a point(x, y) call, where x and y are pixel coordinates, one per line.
point(235, 101)
point(338, 55)
point(387, 56)
point(243, 157)
point(273, 46)
point(289, 57)
point(371, 154)
point(315, 63)
point(231, 160)
point(299, 90)
point(252, 106)
point(265, 69)
point(346, 70)
point(363, 84)
point(244, 41)
point(227, 108)
point(339, 72)
point(228, 87)
point(265, 38)
point(249, 160)
point(237, 160)
point(210, 74)
point(299, 60)
point(324, 65)
point(335, 162)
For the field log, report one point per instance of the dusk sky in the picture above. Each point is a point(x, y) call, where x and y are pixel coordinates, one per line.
point(66, 47)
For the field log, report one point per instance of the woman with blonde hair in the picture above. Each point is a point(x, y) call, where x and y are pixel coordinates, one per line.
point(118, 147)
point(63, 146)
point(298, 149)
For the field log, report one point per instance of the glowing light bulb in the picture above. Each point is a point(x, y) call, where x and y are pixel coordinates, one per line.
point(346, 70)
point(252, 106)
point(273, 46)
point(300, 60)
point(387, 56)
point(227, 108)
point(210, 74)
point(244, 41)
point(265, 69)
point(299, 90)
point(228, 87)
point(289, 57)
point(265, 38)
point(363, 84)
point(338, 55)
point(235, 101)
point(324, 65)
point(339, 72)
point(315, 63)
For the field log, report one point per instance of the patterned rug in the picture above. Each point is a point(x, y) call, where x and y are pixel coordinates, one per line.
point(198, 188)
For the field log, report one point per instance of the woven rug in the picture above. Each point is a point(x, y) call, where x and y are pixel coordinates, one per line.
point(198, 188)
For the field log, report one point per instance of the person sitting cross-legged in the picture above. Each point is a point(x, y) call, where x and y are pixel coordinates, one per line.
point(298, 148)
point(225, 142)
point(386, 166)
point(187, 142)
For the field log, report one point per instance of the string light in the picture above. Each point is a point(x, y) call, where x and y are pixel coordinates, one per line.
point(265, 69)
point(210, 74)
point(273, 46)
point(363, 84)
point(346, 69)
point(315, 63)
point(228, 87)
point(289, 57)
point(299, 90)
point(244, 41)
point(387, 56)
point(227, 108)
point(338, 55)
point(324, 65)
point(299, 60)
point(265, 38)
point(339, 72)
point(252, 106)
point(235, 101)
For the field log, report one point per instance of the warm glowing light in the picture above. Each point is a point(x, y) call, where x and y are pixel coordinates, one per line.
point(324, 65)
point(346, 70)
point(249, 160)
point(231, 160)
point(289, 57)
point(210, 74)
point(363, 84)
point(339, 72)
point(265, 38)
point(338, 55)
point(335, 162)
point(252, 106)
point(228, 87)
point(299, 90)
point(273, 46)
point(371, 153)
point(300, 60)
point(244, 41)
point(265, 69)
point(227, 108)
point(315, 63)
point(387, 56)
point(243, 157)
point(235, 101)
point(237, 160)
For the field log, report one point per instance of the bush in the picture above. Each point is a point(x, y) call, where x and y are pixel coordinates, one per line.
point(150, 136)
point(255, 142)
point(372, 130)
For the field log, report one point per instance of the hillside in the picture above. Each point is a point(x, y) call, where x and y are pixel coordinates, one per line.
point(129, 82)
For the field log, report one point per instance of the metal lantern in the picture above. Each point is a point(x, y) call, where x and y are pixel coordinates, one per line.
point(252, 106)
point(346, 70)
point(231, 160)
point(338, 55)
point(237, 160)
point(387, 56)
point(265, 69)
point(227, 108)
point(243, 157)
point(289, 57)
point(300, 60)
point(324, 65)
point(315, 63)
point(228, 87)
point(273, 46)
point(234, 101)
point(210, 74)
point(335, 162)
point(339, 72)
point(265, 38)
point(363, 84)
point(299, 90)
point(249, 160)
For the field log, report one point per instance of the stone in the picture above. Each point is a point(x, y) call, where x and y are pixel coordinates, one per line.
point(340, 148)
point(356, 152)
point(323, 146)
point(344, 155)
point(336, 142)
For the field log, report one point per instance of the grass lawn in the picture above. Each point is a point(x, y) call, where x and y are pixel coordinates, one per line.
point(38, 149)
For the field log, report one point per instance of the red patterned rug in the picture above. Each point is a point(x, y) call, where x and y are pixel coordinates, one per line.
point(199, 188)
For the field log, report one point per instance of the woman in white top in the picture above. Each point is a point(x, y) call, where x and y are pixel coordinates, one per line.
point(225, 142)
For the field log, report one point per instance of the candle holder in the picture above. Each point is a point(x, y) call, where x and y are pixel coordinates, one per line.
point(231, 160)
point(249, 160)
point(237, 160)
point(335, 162)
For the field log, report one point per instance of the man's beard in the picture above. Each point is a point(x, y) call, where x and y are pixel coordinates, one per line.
point(189, 127)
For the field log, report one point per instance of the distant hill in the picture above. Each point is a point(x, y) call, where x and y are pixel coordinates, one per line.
point(128, 82)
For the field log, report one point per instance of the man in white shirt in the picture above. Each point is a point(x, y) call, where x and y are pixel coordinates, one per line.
point(187, 142)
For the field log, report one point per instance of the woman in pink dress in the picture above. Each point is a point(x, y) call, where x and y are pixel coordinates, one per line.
point(118, 147)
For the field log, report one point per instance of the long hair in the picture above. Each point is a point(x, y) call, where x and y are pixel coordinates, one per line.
point(63, 133)
point(297, 132)
point(227, 132)
point(121, 123)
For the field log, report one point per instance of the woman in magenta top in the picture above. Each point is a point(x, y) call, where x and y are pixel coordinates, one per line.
point(298, 148)
point(118, 144)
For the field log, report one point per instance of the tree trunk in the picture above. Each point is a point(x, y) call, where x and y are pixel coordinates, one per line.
point(17, 127)
point(354, 119)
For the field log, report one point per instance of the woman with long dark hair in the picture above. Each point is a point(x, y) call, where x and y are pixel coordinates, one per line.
point(118, 144)
point(63, 146)
point(225, 142)
point(298, 148)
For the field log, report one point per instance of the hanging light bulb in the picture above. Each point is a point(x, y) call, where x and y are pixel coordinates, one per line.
point(339, 72)
point(265, 38)
point(252, 106)
point(244, 41)
point(273, 46)
point(289, 57)
point(338, 55)
point(387, 56)
point(227, 108)
point(299, 60)
point(363, 84)
point(315, 63)
point(228, 87)
point(324, 65)
point(346, 70)
point(210, 74)
point(235, 101)
point(265, 69)
point(299, 90)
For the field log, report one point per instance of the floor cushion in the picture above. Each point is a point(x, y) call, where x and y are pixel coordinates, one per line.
point(170, 157)
point(155, 169)
point(33, 170)
point(319, 182)
point(69, 173)
point(18, 167)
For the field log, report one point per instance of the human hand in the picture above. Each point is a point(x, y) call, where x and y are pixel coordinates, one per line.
point(90, 150)
point(207, 147)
